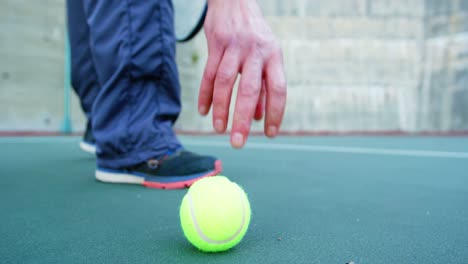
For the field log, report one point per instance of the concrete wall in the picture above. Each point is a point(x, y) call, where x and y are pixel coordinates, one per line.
point(371, 65)
point(444, 83)
point(31, 64)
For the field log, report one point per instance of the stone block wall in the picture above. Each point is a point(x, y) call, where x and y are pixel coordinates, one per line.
point(352, 65)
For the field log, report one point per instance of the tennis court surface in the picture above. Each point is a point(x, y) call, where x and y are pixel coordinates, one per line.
point(314, 200)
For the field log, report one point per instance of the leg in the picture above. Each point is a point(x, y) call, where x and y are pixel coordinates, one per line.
point(133, 48)
point(83, 74)
point(84, 77)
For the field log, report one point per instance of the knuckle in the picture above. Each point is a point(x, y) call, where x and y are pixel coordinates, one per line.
point(263, 47)
point(256, 53)
point(263, 41)
point(246, 36)
point(250, 89)
point(221, 36)
point(274, 51)
point(255, 39)
point(258, 42)
point(279, 88)
point(278, 51)
point(224, 76)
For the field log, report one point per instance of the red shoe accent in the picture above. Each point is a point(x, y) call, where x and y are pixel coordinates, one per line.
point(184, 184)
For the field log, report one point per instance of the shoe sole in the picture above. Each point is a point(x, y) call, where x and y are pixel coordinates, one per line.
point(86, 147)
point(121, 177)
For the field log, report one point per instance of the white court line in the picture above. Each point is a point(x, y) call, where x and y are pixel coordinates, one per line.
point(278, 146)
point(28, 140)
point(337, 149)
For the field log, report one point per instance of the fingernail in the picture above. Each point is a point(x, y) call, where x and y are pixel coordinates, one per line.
point(271, 131)
point(219, 125)
point(237, 140)
point(202, 109)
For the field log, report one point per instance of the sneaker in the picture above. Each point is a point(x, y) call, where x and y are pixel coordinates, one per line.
point(88, 143)
point(173, 171)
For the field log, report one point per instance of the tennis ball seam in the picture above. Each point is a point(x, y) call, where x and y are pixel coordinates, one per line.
point(203, 236)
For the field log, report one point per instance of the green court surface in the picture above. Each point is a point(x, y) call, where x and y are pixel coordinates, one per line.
point(314, 200)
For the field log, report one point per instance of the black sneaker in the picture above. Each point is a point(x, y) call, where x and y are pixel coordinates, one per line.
point(173, 171)
point(88, 143)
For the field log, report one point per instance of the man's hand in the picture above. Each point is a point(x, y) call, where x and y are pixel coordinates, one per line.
point(240, 41)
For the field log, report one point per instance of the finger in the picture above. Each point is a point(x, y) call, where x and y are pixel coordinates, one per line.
point(224, 82)
point(260, 104)
point(247, 98)
point(276, 95)
point(205, 95)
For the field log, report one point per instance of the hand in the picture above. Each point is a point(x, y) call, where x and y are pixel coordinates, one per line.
point(240, 41)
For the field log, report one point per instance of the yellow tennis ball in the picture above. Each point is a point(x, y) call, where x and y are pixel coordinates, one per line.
point(215, 214)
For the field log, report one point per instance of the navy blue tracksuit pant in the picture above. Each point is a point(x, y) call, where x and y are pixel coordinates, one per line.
point(124, 71)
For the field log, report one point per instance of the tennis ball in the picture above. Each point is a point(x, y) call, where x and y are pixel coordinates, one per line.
point(215, 214)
